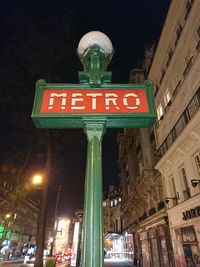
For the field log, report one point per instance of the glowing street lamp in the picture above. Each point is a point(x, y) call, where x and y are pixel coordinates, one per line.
point(37, 180)
point(7, 216)
point(38, 183)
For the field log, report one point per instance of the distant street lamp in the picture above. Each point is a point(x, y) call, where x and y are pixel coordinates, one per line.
point(38, 182)
point(7, 216)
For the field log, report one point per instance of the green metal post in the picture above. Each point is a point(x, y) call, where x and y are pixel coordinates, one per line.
point(93, 209)
point(95, 61)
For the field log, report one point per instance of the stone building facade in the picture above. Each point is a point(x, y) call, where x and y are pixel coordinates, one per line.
point(175, 71)
point(143, 204)
point(159, 204)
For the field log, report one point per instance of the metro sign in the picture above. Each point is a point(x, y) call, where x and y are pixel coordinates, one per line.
point(68, 106)
point(94, 101)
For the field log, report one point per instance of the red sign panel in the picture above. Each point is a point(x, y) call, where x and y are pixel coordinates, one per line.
point(94, 101)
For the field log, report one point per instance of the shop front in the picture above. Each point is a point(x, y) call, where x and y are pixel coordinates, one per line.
point(185, 231)
point(155, 248)
point(114, 246)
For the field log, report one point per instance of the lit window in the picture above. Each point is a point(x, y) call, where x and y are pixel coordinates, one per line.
point(167, 97)
point(120, 199)
point(111, 204)
point(160, 112)
point(115, 202)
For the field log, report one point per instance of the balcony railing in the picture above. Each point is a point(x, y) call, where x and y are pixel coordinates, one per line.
point(143, 217)
point(152, 211)
point(161, 205)
point(186, 116)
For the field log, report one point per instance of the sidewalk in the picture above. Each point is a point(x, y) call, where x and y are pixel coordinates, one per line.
point(117, 263)
point(15, 263)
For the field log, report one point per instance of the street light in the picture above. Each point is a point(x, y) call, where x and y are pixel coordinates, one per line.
point(167, 199)
point(95, 51)
point(7, 216)
point(37, 180)
point(195, 182)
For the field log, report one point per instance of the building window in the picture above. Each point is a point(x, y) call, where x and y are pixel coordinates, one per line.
point(156, 88)
point(173, 187)
point(160, 112)
point(152, 137)
point(167, 98)
point(197, 161)
point(188, 7)
point(198, 32)
point(111, 203)
point(140, 167)
point(178, 34)
point(198, 40)
point(170, 54)
point(162, 75)
point(189, 63)
point(176, 89)
point(186, 192)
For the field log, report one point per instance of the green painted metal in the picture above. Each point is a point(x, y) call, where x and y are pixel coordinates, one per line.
point(95, 62)
point(57, 120)
point(93, 209)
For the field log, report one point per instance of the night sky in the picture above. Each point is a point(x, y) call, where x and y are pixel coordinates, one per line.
point(39, 40)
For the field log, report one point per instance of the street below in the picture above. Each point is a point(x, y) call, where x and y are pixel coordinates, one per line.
point(107, 263)
point(117, 263)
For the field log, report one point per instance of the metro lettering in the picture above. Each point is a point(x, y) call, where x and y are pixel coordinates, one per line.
point(75, 100)
point(94, 101)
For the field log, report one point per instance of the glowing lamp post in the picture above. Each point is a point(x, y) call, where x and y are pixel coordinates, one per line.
point(94, 104)
point(37, 180)
point(38, 183)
